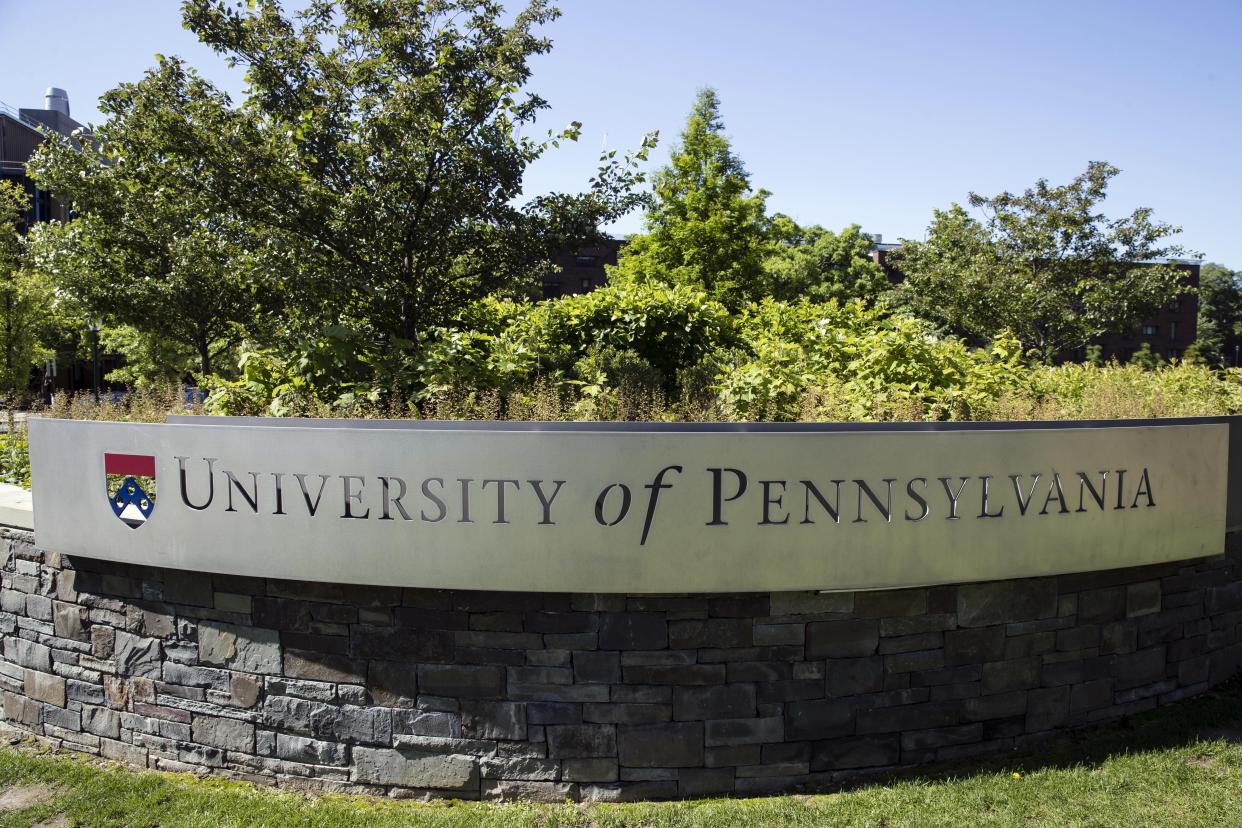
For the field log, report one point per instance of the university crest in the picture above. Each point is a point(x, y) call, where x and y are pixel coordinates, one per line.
point(130, 484)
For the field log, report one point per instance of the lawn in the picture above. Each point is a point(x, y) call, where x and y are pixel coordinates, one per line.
point(1178, 767)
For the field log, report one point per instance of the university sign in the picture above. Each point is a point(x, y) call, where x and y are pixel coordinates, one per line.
point(643, 508)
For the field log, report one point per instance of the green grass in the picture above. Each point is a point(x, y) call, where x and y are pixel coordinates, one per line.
point(1177, 767)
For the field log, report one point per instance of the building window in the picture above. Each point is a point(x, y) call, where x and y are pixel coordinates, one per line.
point(586, 284)
point(1173, 331)
point(585, 261)
point(1176, 306)
point(1150, 330)
point(551, 289)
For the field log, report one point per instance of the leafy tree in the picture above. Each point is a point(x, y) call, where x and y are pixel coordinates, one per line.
point(26, 299)
point(375, 163)
point(1220, 315)
point(151, 248)
point(1043, 264)
point(815, 263)
point(705, 228)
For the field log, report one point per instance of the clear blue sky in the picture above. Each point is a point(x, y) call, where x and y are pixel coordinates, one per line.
point(873, 113)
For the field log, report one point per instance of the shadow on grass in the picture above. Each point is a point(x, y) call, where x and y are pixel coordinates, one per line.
point(1216, 715)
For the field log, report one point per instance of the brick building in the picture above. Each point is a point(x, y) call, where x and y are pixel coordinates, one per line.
point(581, 270)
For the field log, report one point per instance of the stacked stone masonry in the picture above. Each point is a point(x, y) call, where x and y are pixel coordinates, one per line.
point(411, 692)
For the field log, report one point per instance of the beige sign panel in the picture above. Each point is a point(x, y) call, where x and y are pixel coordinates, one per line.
point(629, 511)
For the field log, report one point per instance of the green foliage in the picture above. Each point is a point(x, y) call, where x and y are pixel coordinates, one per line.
point(383, 146)
point(708, 229)
point(1044, 265)
point(27, 301)
point(15, 458)
point(1220, 315)
point(848, 362)
point(150, 359)
point(705, 228)
point(152, 247)
point(566, 340)
point(817, 264)
point(1145, 358)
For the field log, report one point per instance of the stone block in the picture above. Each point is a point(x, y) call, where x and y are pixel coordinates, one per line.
point(909, 662)
point(519, 790)
point(364, 725)
point(842, 639)
point(777, 692)
point(531, 768)
point(725, 732)
point(902, 717)
point(1142, 599)
point(974, 646)
point(854, 676)
point(101, 721)
point(39, 607)
point(193, 588)
point(589, 770)
point(22, 710)
point(1047, 708)
point(316, 666)
point(547, 713)
point(887, 603)
point(710, 632)
point(597, 667)
point(775, 634)
point(856, 752)
point(633, 631)
point(392, 683)
point(191, 676)
point(1139, 667)
point(310, 751)
point(414, 769)
point(727, 701)
point(704, 781)
point(493, 720)
point(811, 603)
point(229, 734)
point(103, 641)
point(939, 737)
point(911, 643)
point(1098, 606)
point(1223, 598)
point(1015, 674)
point(299, 715)
point(427, 723)
point(585, 741)
point(690, 674)
point(44, 687)
point(996, 706)
point(67, 621)
point(248, 649)
point(63, 718)
point(461, 681)
point(233, 602)
point(1004, 602)
point(27, 653)
point(626, 713)
point(824, 719)
point(672, 745)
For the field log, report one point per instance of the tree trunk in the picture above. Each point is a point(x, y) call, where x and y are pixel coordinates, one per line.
point(204, 356)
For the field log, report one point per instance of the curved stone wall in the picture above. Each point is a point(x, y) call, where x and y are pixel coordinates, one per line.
point(505, 695)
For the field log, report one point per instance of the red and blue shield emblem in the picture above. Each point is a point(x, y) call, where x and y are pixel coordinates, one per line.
point(130, 484)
